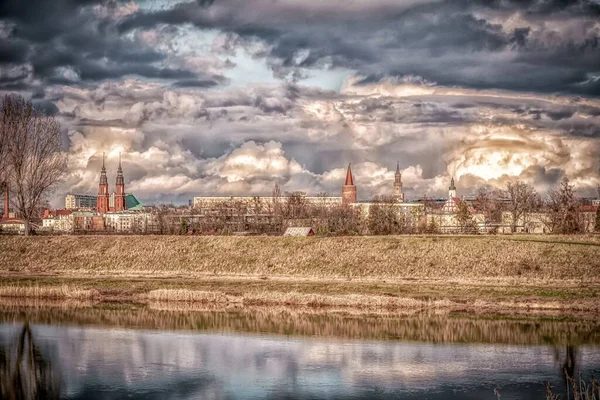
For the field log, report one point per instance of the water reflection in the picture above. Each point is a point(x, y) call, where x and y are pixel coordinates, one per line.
point(433, 328)
point(87, 351)
point(112, 363)
point(25, 373)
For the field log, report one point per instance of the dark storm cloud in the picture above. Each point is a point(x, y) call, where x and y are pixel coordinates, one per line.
point(462, 43)
point(195, 83)
point(74, 42)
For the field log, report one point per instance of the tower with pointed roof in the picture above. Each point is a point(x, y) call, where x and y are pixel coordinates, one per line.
point(398, 194)
point(452, 189)
point(120, 204)
point(349, 189)
point(103, 196)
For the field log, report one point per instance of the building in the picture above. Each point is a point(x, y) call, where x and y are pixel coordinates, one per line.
point(299, 231)
point(117, 200)
point(262, 203)
point(398, 194)
point(57, 220)
point(349, 188)
point(75, 201)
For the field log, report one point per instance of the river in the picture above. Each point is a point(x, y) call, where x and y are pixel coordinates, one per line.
point(130, 353)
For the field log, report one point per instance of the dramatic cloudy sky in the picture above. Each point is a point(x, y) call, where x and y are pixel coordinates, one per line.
point(215, 97)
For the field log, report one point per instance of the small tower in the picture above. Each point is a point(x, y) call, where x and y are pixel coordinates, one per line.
point(452, 189)
point(120, 193)
point(349, 189)
point(102, 201)
point(398, 194)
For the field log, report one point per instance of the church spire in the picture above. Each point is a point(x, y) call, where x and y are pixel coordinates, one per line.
point(102, 199)
point(349, 190)
point(120, 204)
point(398, 194)
point(120, 180)
point(349, 179)
point(452, 188)
point(103, 179)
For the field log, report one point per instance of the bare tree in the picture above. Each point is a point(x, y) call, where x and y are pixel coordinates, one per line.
point(464, 217)
point(35, 160)
point(523, 198)
point(3, 158)
point(489, 203)
point(564, 209)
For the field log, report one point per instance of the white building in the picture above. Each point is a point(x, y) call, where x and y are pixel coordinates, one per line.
point(130, 222)
point(264, 201)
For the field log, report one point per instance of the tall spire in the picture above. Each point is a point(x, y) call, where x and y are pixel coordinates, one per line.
point(103, 179)
point(102, 199)
point(120, 172)
point(348, 190)
point(452, 189)
point(349, 179)
point(398, 194)
point(398, 176)
point(120, 193)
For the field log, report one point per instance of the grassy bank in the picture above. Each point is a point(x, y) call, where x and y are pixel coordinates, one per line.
point(388, 258)
point(369, 273)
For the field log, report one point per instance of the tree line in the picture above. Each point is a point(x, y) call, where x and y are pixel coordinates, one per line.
point(560, 211)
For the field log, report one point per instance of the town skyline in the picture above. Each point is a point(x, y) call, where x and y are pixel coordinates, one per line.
point(215, 98)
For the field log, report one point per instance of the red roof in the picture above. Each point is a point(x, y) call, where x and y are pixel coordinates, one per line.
point(349, 179)
point(11, 221)
point(55, 213)
point(589, 208)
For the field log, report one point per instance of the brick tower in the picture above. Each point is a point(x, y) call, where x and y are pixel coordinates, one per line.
point(349, 189)
point(102, 201)
point(120, 193)
point(398, 194)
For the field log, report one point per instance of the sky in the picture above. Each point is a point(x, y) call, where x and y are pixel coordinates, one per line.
point(227, 97)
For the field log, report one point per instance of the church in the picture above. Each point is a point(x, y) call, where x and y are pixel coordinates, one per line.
point(118, 200)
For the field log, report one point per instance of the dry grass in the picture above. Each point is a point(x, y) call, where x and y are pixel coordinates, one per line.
point(45, 292)
point(364, 273)
point(350, 258)
point(355, 301)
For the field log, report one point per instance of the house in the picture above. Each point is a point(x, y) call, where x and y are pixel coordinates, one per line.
point(299, 231)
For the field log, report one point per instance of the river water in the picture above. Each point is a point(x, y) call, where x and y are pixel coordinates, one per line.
point(130, 354)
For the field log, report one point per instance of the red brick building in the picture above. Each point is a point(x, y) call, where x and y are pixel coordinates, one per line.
point(103, 203)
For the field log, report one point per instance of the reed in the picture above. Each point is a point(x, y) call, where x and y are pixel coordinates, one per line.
point(315, 300)
point(578, 387)
point(52, 292)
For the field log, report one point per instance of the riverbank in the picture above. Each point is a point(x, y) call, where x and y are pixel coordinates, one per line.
point(367, 274)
